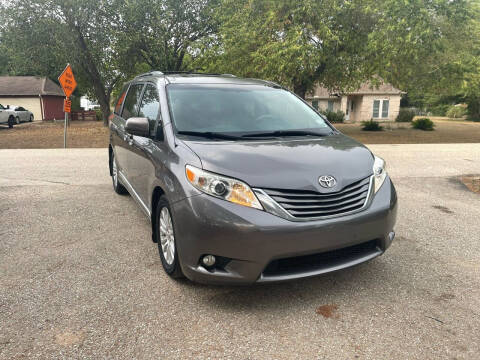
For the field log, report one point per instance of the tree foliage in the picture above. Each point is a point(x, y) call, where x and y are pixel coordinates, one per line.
point(336, 43)
point(295, 43)
point(106, 41)
point(161, 33)
point(429, 48)
point(44, 35)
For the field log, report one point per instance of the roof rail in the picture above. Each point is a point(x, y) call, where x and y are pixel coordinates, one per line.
point(155, 72)
point(196, 73)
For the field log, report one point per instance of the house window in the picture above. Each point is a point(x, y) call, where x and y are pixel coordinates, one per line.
point(330, 105)
point(315, 104)
point(385, 105)
point(380, 107)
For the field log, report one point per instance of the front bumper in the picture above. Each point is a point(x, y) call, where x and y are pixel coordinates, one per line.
point(253, 239)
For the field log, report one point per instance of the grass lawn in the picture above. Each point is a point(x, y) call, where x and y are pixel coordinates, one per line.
point(47, 135)
point(446, 131)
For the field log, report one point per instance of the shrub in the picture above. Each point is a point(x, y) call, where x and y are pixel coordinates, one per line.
point(423, 124)
point(371, 125)
point(456, 112)
point(439, 110)
point(473, 109)
point(334, 116)
point(99, 114)
point(405, 115)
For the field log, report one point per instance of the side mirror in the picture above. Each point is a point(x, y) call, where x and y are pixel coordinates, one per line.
point(138, 126)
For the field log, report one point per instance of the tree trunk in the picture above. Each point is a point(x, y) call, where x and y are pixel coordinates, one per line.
point(91, 70)
point(473, 104)
point(300, 88)
point(105, 107)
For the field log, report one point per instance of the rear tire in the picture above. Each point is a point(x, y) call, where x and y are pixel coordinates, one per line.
point(11, 121)
point(117, 187)
point(167, 242)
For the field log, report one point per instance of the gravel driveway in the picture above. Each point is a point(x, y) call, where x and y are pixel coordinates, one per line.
point(81, 278)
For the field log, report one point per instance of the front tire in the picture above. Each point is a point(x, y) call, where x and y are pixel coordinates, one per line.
point(167, 242)
point(31, 118)
point(11, 121)
point(119, 188)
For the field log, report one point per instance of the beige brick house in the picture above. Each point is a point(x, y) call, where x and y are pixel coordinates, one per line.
point(381, 103)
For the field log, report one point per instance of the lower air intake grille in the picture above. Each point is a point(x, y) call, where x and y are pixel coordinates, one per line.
point(316, 262)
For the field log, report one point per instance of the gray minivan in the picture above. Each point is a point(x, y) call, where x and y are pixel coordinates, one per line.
point(244, 182)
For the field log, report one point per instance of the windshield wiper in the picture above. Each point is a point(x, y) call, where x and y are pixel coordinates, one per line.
point(287, 133)
point(210, 135)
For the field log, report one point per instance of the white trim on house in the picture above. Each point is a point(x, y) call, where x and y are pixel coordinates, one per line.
point(382, 112)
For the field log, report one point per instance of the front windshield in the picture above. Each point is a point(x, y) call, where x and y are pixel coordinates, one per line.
point(240, 109)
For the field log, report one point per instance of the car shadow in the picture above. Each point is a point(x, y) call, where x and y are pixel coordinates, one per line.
point(318, 289)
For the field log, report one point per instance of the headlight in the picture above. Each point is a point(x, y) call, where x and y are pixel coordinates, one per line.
point(222, 187)
point(379, 172)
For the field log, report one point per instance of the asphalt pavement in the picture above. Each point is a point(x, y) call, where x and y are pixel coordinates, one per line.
point(81, 278)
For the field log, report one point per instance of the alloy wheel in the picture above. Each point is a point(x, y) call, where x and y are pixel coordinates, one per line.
point(114, 171)
point(167, 238)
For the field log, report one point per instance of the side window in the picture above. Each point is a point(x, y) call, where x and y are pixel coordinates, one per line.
point(150, 106)
point(315, 104)
point(132, 100)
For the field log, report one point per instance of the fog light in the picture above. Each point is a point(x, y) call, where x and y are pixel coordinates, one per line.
point(391, 236)
point(208, 260)
point(389, 240)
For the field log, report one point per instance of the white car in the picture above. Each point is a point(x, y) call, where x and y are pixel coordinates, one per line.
point(21, 114)
point(7, 116)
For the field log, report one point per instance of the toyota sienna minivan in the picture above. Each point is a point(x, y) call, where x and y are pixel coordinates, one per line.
point(244, 182)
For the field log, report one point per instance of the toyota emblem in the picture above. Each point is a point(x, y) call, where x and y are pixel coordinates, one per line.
point(327, 181)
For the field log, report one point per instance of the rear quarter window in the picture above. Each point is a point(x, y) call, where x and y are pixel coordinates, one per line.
point(119, 103)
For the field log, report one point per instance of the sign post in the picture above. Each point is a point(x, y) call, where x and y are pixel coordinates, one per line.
point(68, 83)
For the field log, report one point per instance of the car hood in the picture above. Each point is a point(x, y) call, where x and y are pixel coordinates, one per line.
point(290, 163)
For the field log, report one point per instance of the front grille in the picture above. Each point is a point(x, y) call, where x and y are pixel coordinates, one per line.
point(313, 204)
point(321, 261)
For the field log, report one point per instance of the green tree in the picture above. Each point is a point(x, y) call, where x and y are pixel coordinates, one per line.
point(43, 35)
point(336, 43)
point(444, 68)
point(471, 65)
point(295, 43)
point(162, 33)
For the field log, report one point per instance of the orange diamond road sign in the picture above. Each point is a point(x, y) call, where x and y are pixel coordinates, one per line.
point(67, 81)
point(67, 105)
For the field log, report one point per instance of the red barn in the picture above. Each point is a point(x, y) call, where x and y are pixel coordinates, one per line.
point(40, 95)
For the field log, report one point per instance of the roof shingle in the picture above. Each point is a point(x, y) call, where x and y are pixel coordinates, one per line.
point(28, 86)
point(367, 88)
